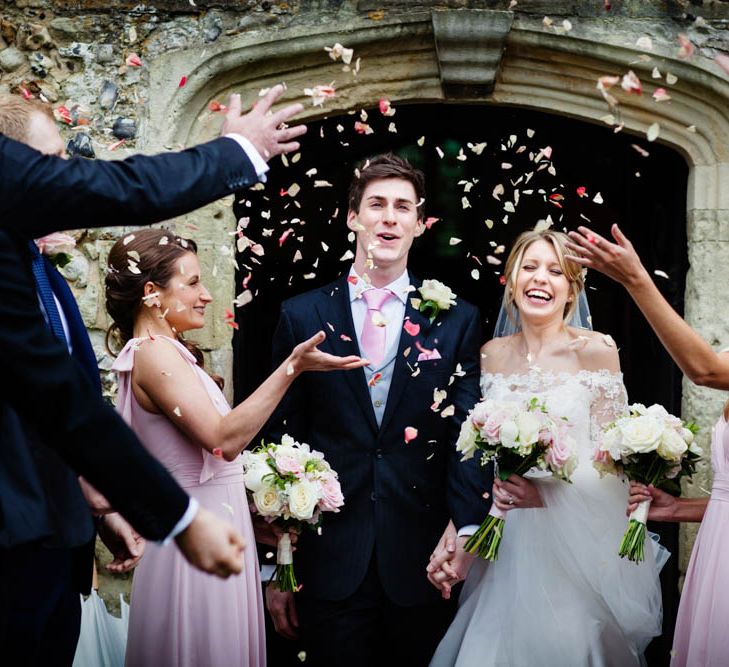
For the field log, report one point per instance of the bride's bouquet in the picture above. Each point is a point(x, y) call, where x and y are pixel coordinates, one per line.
point(517, 436)
point(291, 485)
point(650, 446)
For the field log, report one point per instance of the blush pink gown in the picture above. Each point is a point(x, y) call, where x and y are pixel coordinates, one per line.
point(179, 616)
point(702, 631)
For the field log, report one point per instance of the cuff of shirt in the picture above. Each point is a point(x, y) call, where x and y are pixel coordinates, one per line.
point(259, 164)
point(192, 507)
point(467, 531)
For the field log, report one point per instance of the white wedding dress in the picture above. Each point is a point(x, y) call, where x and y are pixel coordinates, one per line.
point(559, 595)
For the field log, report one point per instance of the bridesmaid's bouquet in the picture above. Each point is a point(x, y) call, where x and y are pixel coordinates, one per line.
point(291, 485)
point(650, 446)
point(517, 436)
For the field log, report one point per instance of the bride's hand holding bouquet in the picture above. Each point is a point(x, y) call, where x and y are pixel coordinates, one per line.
point(517, 436)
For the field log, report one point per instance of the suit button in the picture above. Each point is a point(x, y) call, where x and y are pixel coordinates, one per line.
point(378, 453)
point(378, 403)
point(373, 496)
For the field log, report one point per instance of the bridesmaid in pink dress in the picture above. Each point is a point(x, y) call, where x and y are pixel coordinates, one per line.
point(701, 638)
point(180, 616)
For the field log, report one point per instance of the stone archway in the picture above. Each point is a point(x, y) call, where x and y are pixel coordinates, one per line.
point(485, 57)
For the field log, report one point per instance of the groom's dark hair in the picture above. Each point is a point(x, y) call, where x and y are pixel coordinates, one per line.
point(387, 165)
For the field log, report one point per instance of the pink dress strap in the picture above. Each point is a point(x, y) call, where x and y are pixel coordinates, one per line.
point(123, 366)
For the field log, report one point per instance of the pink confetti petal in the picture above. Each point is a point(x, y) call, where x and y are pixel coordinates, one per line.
point(375, 379)
point(218, 453)
point(183, 81)
point(133, 60)
point(411, 327)
point(284, 236)
point(410, 434)
point(686, 49)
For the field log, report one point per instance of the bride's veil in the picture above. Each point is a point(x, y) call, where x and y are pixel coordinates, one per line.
point(508, 322)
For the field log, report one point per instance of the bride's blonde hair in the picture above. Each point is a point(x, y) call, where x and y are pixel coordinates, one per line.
point(571, 270)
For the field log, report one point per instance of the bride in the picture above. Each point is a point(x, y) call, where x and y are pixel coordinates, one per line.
point(558, 595)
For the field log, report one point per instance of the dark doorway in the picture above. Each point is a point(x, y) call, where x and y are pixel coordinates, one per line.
point(557, 164)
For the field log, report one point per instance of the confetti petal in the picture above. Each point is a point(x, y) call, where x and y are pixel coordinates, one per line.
point(412, 328)
point(410, 434)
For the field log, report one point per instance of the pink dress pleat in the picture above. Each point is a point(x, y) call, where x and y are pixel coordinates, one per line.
point(702, 627)
point(179, 616)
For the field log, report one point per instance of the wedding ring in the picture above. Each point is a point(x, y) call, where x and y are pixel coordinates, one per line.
point(511, 500)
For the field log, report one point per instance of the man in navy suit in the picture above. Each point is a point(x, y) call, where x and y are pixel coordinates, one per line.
point(51, 411)
point(389, 430)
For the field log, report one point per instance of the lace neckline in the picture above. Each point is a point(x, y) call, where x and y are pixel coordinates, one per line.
point(602, 373)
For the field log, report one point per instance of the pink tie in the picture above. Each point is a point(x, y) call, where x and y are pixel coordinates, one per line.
point(373, 336)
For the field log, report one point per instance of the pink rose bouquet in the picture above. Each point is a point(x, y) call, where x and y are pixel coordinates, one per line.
point(517, 436)
point(291, 485)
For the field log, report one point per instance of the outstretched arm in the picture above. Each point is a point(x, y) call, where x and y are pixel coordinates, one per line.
point(40, 194)
point(168, 381)
point(694, 356)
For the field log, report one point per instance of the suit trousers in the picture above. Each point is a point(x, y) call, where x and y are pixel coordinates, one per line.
point(367, 629)
point(40, 607)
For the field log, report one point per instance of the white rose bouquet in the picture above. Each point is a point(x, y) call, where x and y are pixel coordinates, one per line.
point(650, 446)
point(435, 296)
point(292, 485)
point(517, 436)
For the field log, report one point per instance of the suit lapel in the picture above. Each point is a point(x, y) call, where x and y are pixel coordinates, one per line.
point(333, 307)
point(405, 365)
point(82, 349)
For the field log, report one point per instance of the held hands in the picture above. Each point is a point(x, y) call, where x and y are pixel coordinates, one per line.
point(618, 260)
point(516, 493)
point(449, 563)
point(212, 545)
point(307, 357)
point(663, 505)
point(125, 544)
point(282, 607)
point(267, 132)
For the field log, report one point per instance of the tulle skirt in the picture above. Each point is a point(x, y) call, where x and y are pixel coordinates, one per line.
point(559, 595)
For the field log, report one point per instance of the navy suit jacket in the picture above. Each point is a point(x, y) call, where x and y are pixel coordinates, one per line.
point(398, 497)
point(41, 385)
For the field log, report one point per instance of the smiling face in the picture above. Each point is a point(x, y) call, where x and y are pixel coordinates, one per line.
point(387, 222)
point(185, 297)
point(541, 290)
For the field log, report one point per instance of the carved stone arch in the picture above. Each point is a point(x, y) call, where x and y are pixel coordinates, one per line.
point(494, 58)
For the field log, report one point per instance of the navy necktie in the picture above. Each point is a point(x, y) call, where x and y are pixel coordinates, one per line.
point(45, 292)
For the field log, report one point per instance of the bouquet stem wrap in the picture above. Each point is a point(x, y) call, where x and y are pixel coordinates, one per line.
point(486, 540)
point(284, 574)
point(633, 543)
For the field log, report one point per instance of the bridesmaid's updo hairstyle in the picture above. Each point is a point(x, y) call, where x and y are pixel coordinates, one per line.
point(145, 255)
point(571, 270)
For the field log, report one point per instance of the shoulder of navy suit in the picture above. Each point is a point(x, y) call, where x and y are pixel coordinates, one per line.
point(302, 302)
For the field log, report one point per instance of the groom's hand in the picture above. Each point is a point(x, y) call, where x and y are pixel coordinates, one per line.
point(282, 607)
point(266, 131)
point(449, 567)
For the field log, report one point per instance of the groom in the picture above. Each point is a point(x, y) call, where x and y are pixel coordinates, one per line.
point(389, 430)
